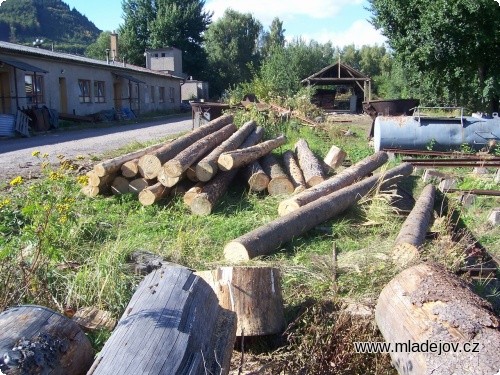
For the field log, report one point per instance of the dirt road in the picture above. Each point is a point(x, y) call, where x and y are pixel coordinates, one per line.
point(16, 154)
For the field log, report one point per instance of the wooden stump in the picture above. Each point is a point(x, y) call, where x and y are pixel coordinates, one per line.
point(309, 164)
point(207, 167)
point(334, 157)
point(427, 304)
point(255, 176)
point(343, 179)
point(45, 342)
point(254, 294)
point(293, 170)
point(172, 325)
point(244, 156)
point(412, 233)
point(279, 183)
point(263, 240)
point(153, 194)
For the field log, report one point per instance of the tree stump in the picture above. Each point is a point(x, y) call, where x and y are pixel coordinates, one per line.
point(334, 157)
point(309, 164)
point(254, 294)
point(427, 304)
point(172, 325)
point(37, 340)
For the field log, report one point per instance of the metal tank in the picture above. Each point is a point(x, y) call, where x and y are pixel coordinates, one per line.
point(420, 132)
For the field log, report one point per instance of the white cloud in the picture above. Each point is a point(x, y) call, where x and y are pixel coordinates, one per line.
point(266, 10)
point(361, 32)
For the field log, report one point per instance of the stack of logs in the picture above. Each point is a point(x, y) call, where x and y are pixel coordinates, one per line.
point(202, 164)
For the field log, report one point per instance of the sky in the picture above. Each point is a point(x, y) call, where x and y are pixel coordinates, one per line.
point(342, 22)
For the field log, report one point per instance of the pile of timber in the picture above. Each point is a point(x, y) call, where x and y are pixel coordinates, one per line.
point(202, 164)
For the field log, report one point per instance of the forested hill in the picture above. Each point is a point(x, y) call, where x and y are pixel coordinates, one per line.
point(24, 21)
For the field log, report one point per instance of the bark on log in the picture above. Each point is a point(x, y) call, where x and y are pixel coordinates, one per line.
point(113, 165)
point(192, 193)
point(343, 179)
point(427, 304)
point(204, 203)
point(181, 188)
point(139, 184)
point(130, 169)
point(168, 181)
point(334, 157)
point(153, 194)
point(254, 294)
point(293, 170)
point(177, 165)
point(191, 174)
point(263, 240)
point(309, 164)
point(412, 233)
point(279, 183)
point(46, 342)
point(172, 325)
point(244, 156)
point(120, 185)
point(207, 167)
point(255, 176)
point(150, 166)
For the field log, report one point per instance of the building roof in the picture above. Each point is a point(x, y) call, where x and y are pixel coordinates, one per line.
point(117, 67)
point(336, 74)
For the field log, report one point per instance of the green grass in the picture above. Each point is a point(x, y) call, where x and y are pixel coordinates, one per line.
point(61, 249)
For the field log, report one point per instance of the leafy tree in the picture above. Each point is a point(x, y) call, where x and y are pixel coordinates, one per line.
point(275, 37)
point(231, 44)
point(449, 49)
point(165, 23)
point(97, 50)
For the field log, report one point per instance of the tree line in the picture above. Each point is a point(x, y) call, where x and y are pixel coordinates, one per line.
point(442, 52)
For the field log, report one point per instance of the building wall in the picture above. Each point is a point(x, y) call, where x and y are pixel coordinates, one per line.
point(72, 72)
point(165, 60)
point(194, 90)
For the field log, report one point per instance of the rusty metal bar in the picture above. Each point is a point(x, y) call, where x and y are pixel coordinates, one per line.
point(495, 193)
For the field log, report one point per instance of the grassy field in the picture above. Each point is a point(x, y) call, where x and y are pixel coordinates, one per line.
point(65, 251)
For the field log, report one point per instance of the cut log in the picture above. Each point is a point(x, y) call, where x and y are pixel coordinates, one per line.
point(181, 188)
point(120, 185)
point(412, 233)
point(192, 193)
point(293, 170)
point(150, 165)
point(172, 325)
point(176, 166)
point(334, 157)
point(207, 167)
point(279, 183)
point(92, 191)
point(244, 156)
point(254, 294)
point(130, 169)
point(426, 305)
point(153, 194)
point(113, 165)
point(191, 174)
point(139, 184)
point(205, 202)
point(263, 240)
point(37, 340)
point(168, 181)
point(95, 180)
point(343, 179)
point(255, 176)
point(93, 319)
point(309, 164)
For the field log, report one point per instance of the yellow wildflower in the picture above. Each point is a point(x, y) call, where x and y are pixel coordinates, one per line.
point(80, 157)
point(45, 164)
point(4, 203)
point(82, 180)
point(45, 155)
point(16, 181)
point(35, 153)
point(60, 156)
point(54, 176)
point(63, 219)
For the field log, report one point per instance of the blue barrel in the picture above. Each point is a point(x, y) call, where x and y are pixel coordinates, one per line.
point(440, 133)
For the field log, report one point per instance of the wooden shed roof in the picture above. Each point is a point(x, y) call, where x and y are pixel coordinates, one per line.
point(336, 74)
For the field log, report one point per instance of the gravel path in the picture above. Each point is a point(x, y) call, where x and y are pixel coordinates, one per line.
point(16, 158)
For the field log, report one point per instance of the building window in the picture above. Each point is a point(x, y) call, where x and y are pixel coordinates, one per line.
point(162, 95)
point(84, 86)
point(99, 96)
point(152, 97)
point(172, 94)
point(34, 88)
point(156, 55)
point(163, 54)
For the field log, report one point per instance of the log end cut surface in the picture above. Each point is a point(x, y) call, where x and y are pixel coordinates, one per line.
point(235, 252)
point(200, 205)
point(315, 180)
point(258, 182)
point(280, 186)
point(287, 206)
point(225, 162)
point(173, 168)
point(205, 171)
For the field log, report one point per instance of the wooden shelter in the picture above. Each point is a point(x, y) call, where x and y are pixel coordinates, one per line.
point(346, 88)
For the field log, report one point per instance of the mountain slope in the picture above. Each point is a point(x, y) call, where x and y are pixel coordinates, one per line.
point(24, 21)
